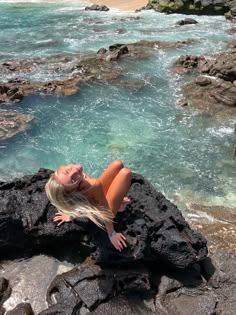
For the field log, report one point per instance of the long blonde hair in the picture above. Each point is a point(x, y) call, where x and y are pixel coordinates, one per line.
point(75, 203)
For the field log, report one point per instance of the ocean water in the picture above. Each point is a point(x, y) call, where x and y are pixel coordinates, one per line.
point(186, 155)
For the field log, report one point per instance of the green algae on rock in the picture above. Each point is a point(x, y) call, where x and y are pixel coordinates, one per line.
point(201, 7)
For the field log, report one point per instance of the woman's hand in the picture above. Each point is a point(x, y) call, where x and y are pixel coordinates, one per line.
point(61, 218)
point(118, 241)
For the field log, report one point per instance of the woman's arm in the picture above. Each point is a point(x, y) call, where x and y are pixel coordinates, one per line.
point(117, 239)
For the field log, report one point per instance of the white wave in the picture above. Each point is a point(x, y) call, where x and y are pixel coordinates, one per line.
point(221, 132)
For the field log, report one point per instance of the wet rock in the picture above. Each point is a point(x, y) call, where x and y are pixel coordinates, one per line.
point(96, 7)
point(212, 97)
point(155, 229)
point(183, 102)
point(12, 123)
point(146, 7)
point(133, 85)
point(10, 93)
point(114, 53)
point(210, 94)
point(231, 31)
point(186, 63)
point(74, 69)
point(102, 51)
point(120, 31)
point(220, 232)
point(163, 45)
point(186, 21)
point(5, 292)
point(221, 274)
point(224, 66)
point(21, 309)
point(127, 18)
point(226, 96)
point(209, 289)
point(203, 81)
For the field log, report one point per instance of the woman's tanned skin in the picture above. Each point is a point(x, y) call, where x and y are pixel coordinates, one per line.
point(108, 191)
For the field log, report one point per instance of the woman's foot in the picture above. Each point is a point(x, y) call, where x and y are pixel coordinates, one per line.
point(125, 201)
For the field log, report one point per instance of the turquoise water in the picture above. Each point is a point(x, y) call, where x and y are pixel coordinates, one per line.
point(186, 155)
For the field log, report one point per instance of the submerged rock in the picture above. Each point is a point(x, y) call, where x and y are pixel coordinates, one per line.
point(155, 229)
point(12, 123)
point(186, 21)
point(96, 7)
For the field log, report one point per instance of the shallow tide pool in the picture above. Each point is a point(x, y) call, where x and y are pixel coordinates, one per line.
point(186, 155)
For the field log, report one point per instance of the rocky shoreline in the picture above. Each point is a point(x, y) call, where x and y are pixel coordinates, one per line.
point(164, 270)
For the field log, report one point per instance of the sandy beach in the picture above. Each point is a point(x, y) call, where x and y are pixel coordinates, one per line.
point(123, 5)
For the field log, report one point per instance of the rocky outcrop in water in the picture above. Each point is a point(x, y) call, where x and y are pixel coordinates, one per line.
point(186, 22)
point(155, 229)
point(96, 7)
point(11, 123)
point(200, 7)
point(73, 70)
point(215, 86)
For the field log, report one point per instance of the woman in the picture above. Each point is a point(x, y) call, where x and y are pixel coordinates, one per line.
point(76, 194)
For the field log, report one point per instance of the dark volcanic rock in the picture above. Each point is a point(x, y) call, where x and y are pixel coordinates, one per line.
point(189, 293)
point(205, 288)
point(88, 286)
point(21, 309)
point(186, 21)
point(5, 292)
point(96, 7)
point(11, 123)
point(155, 229)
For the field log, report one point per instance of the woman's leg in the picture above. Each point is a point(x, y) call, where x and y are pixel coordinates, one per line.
point(109, 174)
point(118, 189)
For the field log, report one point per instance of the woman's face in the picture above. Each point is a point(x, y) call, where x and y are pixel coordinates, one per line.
point(70, 176)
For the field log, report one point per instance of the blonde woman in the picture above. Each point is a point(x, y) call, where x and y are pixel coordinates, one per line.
point(76, 195)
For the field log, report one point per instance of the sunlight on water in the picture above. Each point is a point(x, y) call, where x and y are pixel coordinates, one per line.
point(181, 152)
point(185, 154)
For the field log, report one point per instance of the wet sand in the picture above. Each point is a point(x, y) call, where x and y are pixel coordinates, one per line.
point(123, 5)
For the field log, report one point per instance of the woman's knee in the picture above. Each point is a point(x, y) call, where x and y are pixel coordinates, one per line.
point(118, 164)
point(126, 172)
